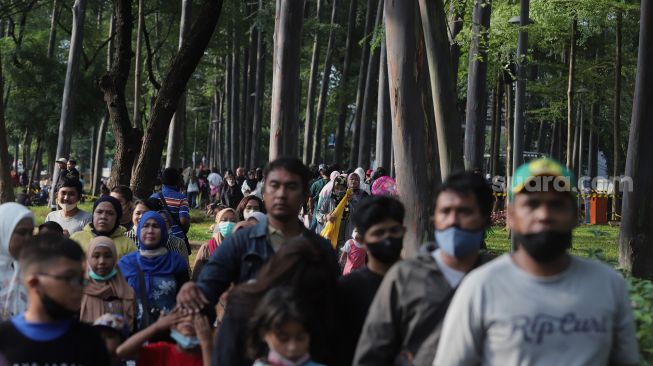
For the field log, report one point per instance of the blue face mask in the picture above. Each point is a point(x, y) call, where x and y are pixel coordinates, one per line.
point(97, 277)
point(226, 227)
point(184, 341)
point(459, 243)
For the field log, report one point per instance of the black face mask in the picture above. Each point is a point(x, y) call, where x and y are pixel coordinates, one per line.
point(545, 246)
point(55, 310)
point(386, 251)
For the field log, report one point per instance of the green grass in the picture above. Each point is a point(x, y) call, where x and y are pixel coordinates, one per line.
point(592, 241)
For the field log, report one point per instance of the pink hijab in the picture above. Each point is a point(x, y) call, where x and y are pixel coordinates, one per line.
point(326, 191)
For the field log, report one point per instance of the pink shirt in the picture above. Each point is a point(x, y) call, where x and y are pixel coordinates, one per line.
point(355, 256)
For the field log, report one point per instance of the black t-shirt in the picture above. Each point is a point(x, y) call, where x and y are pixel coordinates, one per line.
point(355, 294)
point(81, 345)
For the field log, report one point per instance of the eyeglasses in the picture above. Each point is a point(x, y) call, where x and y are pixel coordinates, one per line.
point(73, 281)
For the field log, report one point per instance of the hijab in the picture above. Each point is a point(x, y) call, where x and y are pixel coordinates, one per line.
point(116, 206)
point(97, 293)
point(361, 174)
point(326, 191)
point(162, 225)
point(359, 192)
point(13, 297)
point(217, 236)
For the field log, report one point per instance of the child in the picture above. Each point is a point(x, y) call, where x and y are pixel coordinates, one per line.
point(352, 254)
point(280, 326)
point(47, 333)
point(192, 334)
point(113, 330)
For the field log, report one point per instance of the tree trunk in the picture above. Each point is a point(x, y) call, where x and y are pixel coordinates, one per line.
point(520, 90)
point(138, 66)
point(35, 163)
point(56, 10)
point(182, 67)
point(509, 129)
point(248, 101)
point(442, 86)
point(228, 146)
point(408, 123)
point(592, 161)
point(27, 146)
point(70, 87)
point(258, 99)
point(234, 110)
point(309, 123)
point(285, 77)
point(6, 186)
point(570, 95)
point(365, 141)
point(476, 110)
point(174, 155)
point(616, 120)
point(98, 164)
point(360, 90)
point(636, 234)
point(383, 114)
point(496, 128)
point(456, 21)
point(324, 88)
point(344, 100)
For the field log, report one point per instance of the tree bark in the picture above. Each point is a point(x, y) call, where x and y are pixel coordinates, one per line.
point(258, 99)
point(344, 100)
point(442, 86)
point(70, 87)
point(309, 123)
point(56, 10)
point(324, 88)
point(509, 129)
point(520, 89)
point(476, 110)
point(636, 233)
point(592, 161)
point(174, 155)
point(6, 186)
point(138, 66)
point(35, 163)
point(365, 143)
point(496, 128)
point(182, 67)
point(570, 95)
point(234, 111)
point(408, 123)
point(360, 90)
point(383, 114)
point(456, 22)
point(248, 101)
point(285, 77)
point(616, 120)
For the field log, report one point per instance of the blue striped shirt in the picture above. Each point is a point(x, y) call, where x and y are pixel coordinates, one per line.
point(178, 207)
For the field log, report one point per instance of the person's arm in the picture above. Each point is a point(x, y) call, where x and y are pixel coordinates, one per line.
point(625, 350)
point(184, 216)
point(203, 332)
point(129, 348)
point(323, 211)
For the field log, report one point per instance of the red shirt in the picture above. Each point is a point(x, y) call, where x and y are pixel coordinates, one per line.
point(166, 354)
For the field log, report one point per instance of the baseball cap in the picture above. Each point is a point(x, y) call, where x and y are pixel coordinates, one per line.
point(529, 177)
point(62, 160)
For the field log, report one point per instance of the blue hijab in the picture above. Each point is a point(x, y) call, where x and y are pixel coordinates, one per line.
point(166, 264)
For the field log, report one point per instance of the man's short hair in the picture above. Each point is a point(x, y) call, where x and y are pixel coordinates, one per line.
point(124, 191)
point(51, 226)
point(291, 165)
point(44, 249)
point(72, 161)
point(465, 183)
point(71, 181)
point(372, 210)
point(170, 177)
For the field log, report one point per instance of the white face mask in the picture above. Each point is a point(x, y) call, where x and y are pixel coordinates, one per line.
point(68, 206)
point(248, 213)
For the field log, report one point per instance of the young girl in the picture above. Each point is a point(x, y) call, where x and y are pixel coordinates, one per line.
point(279, 329)
point(352, 255)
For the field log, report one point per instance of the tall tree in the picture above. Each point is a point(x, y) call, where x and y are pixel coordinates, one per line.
point(443, 88)
point(636, 233)
point(344, 102)
point(258, 99)
point(570, 95)
point(456, 21)
point(70, 86)
point(383, 115)
point(616, 120)
point(138, 65)
point(309, 123)
point(360, 90)
point(324, 86)
point(176, 131)
point(476, 86)
point(234, 108)
point(285, 77)
point(408, 122)
point(6, 186)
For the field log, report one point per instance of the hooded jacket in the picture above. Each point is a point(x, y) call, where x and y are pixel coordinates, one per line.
point(124, 245)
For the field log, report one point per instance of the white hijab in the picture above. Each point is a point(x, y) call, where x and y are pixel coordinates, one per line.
point(361, 174)
point(13, 297)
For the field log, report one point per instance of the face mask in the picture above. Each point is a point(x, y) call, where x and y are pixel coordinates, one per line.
point(68, 206)
point(386, 251)
point(226, 227)
point(55, 310)
point(248, 213)
point(184, 341)
point(459, 243)
point(545, 246)
point(97, 277)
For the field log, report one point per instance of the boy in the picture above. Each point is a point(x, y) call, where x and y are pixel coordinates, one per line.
point(52, 268)
point(192, 334)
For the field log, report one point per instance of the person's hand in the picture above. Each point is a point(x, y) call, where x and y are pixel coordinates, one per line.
point(190, 298)
point(166, 321)
point(202, 329)
point(330, 218)
point(66, 233)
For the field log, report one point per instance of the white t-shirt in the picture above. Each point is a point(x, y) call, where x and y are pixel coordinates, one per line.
point(72, 224)
point(453, 276)
point(502, 315)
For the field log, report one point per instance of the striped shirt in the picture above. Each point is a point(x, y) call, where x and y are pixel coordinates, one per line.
point(178, 207)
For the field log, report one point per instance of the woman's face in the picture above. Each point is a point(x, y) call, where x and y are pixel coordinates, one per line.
point(150, 233)
point(231, 181)
point(21, 236)
point(104, 217)
point(102, 261)
point(251, 206)
point(227, 216)
point(354, 181)
point(139, 210)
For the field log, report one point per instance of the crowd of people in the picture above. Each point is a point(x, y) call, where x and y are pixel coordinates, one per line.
point(307, 268)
